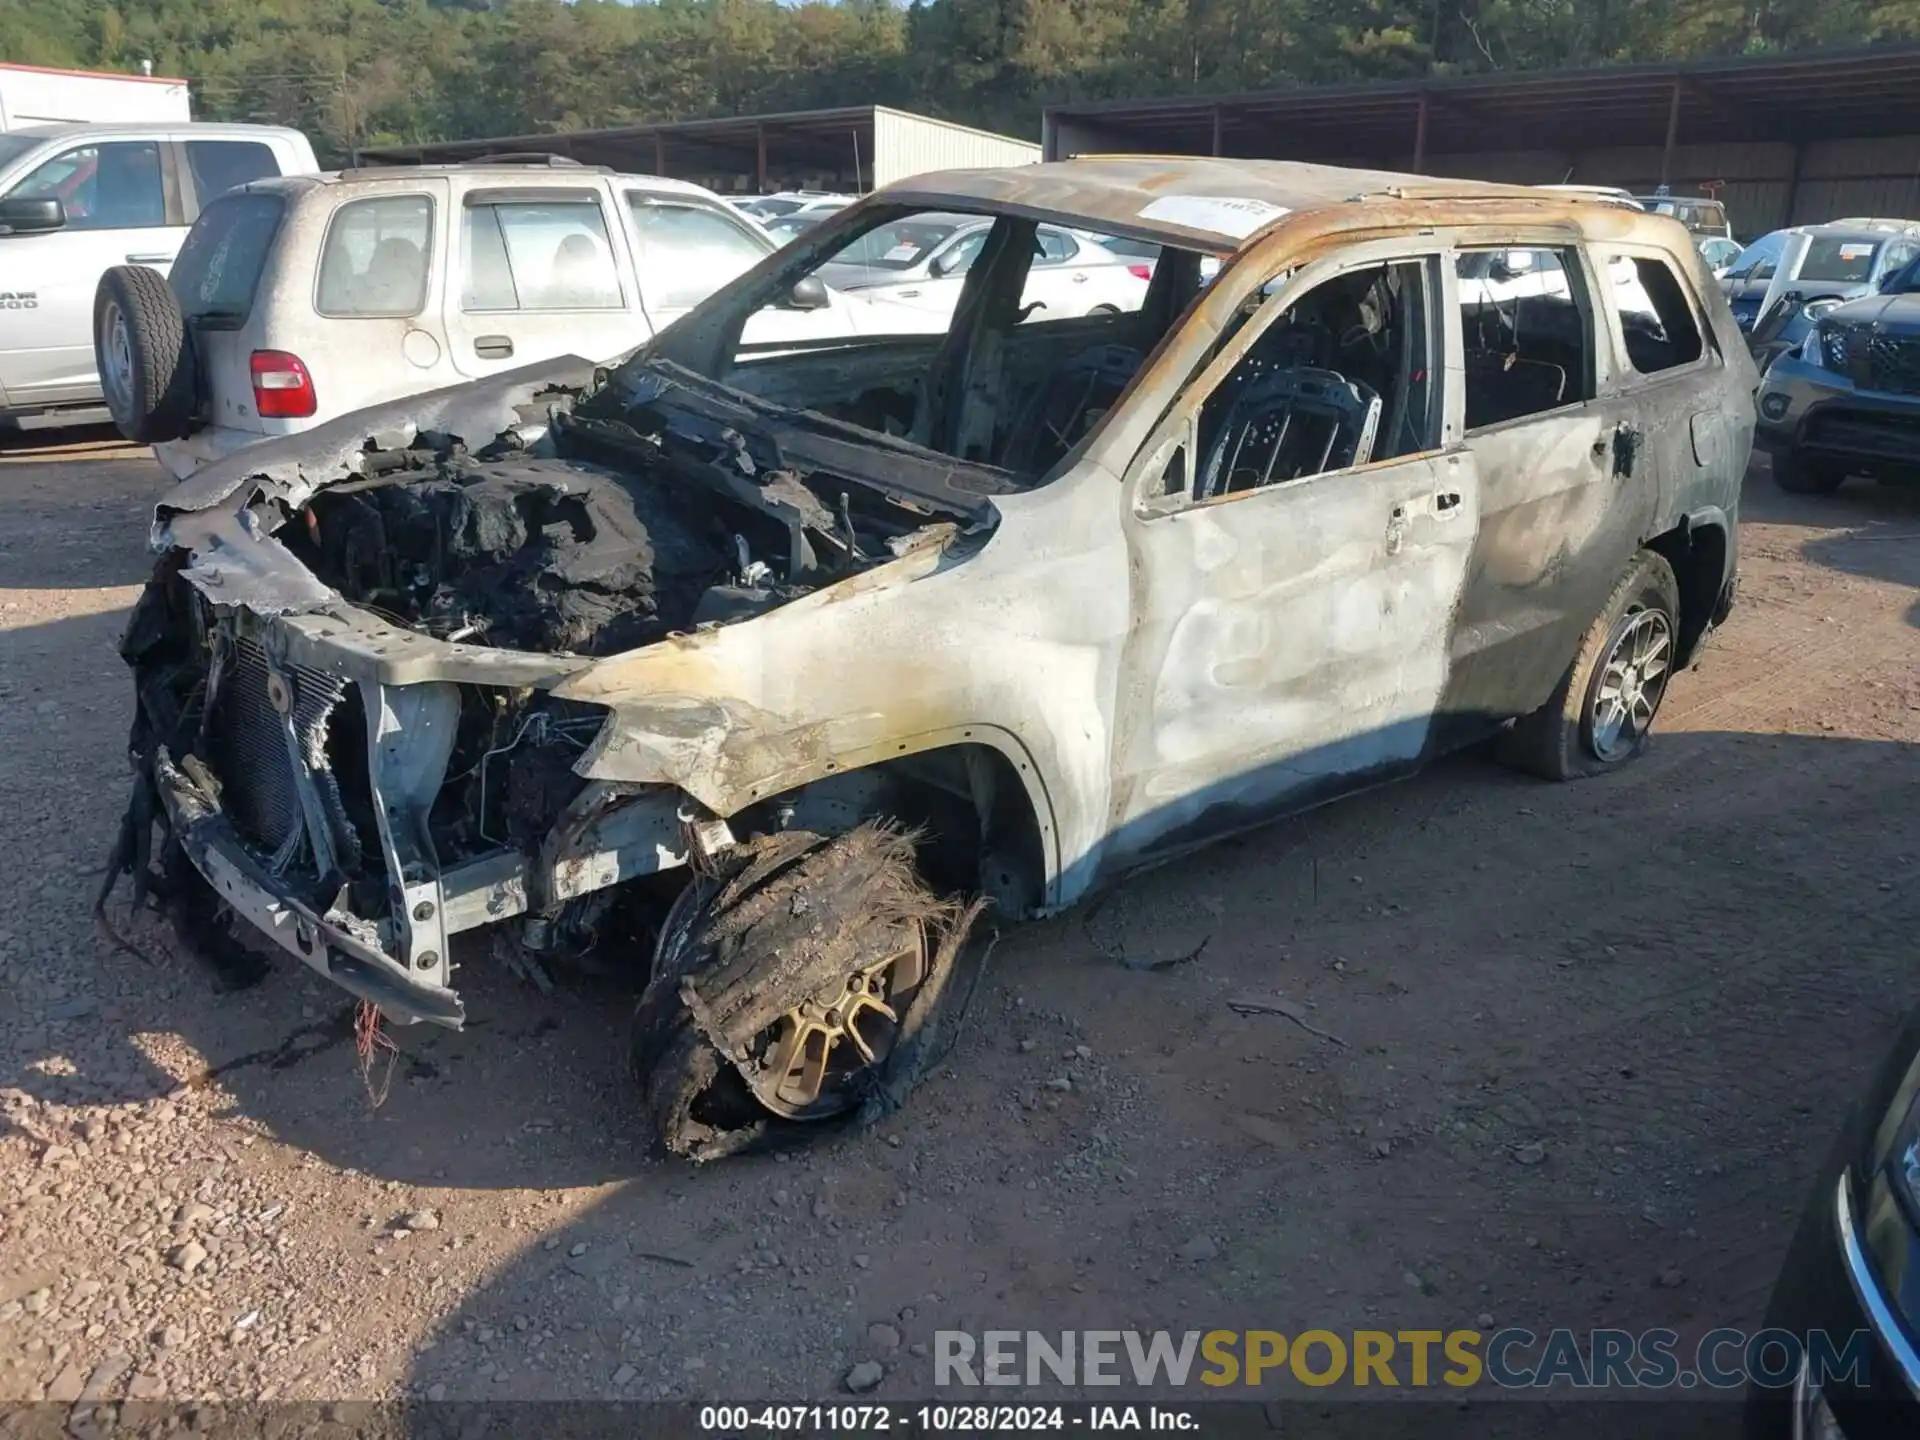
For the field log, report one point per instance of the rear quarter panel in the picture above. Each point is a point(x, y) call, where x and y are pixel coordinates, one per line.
point(355, 361)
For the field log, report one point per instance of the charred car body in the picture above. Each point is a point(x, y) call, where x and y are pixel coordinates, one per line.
point(813, 638)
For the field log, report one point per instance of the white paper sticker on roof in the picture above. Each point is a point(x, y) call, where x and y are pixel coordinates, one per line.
point(1222, 215)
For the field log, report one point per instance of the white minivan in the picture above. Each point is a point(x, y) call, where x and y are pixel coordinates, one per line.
point(76, 199)
point(298, 299)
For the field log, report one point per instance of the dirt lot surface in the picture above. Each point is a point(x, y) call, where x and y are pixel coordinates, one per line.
point(1594, 1038)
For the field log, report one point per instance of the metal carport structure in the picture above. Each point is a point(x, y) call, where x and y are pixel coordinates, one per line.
point(1782, 138)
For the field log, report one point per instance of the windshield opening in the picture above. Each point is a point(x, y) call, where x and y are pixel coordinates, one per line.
point(12, 147)
point(992, 339)
point(1758, 260)
point(1904, 281)
point(1845, 261)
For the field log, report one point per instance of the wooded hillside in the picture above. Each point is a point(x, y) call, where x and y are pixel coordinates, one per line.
point(381, 71)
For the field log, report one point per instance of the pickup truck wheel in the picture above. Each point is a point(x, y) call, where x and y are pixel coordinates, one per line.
point(1599, 715)
point(785, 985)
point(144, 353)
point(1797, 475)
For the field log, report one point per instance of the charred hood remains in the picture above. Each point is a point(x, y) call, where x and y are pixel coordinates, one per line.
point(619, 517)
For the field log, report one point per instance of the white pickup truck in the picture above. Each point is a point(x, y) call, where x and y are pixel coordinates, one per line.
point(78, 199)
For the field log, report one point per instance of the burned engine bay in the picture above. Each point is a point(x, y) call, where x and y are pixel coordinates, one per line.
point(643, 520)
point(633, 514)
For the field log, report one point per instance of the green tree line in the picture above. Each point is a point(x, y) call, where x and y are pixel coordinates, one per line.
point(366, 72)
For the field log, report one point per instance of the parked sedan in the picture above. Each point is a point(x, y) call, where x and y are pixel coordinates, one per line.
point(923, 262)
point(785, 227)
point(816, 203)
point(1849, 1294)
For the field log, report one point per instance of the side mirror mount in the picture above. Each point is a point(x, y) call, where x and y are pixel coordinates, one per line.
point(809, 293)
point(945, 265)
point(31, 214)
point(1511, 264)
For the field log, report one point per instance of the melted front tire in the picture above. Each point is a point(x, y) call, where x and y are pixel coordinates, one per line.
point(791, 986)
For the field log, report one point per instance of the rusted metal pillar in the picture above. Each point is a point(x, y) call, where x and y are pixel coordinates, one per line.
point(760, 158)
point(1217, 136)
point(1673, 134)
point(1420, 135)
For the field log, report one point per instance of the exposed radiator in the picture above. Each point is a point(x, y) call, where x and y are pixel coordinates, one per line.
point(249, 754)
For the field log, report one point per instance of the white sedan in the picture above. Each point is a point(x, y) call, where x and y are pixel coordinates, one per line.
point(922, 262)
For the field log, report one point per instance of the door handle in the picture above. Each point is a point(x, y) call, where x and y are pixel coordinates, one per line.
point(149, 259)
point(907, 294)
point(1626, 445)
point(1447, 502)
point(1396, 529)
point(493, 347)
point(1080, 278)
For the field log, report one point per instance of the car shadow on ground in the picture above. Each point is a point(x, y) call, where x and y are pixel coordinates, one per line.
point(65, 443)
point(1882, 538)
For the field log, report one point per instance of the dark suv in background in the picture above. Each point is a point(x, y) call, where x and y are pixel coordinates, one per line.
point(1846, 399)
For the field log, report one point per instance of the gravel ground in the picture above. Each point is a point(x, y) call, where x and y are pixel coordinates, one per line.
point(1590, 1044)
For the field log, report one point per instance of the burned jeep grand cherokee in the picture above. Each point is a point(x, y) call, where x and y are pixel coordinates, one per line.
point(819, 645)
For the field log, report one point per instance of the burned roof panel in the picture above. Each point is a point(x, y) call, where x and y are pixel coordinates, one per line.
point(1207, 204)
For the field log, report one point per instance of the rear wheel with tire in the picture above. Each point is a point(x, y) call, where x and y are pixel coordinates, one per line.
point(789, 986)
point(145, 354)
point(1599, 715)
point(1797, 475)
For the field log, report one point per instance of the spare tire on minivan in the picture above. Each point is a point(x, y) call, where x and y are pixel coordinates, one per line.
point(145, 355)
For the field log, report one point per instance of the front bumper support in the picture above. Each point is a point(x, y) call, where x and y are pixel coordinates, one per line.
point(610, 835)
point(323, 943)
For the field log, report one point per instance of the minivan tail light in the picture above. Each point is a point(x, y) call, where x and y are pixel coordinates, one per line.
point(282, 388)
point(1140, 272)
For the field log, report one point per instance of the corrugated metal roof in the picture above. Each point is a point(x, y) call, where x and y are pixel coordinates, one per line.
point(1833, 94)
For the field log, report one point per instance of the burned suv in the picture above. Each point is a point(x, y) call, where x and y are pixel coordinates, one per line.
point(773, 663)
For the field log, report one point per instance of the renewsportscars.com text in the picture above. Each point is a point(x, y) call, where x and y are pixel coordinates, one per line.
point(1511, 1358)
